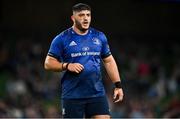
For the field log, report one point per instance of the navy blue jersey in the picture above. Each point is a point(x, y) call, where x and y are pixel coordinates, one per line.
point(87, 50)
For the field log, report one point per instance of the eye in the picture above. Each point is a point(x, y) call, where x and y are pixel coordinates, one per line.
point(88, 15)
point(80, 15)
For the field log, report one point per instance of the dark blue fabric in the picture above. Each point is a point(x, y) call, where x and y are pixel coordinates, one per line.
point(88, 107)
point(87, 50)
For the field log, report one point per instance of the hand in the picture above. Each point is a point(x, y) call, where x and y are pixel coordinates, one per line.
point(118, 94)
point(75, 67)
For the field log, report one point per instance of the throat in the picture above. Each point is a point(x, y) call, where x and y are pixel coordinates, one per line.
point(80, 31)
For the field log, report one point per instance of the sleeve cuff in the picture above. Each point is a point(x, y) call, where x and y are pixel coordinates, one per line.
point(53, 55)
point(106, 55)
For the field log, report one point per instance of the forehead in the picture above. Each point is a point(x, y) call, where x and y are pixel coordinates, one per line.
point(82, 12)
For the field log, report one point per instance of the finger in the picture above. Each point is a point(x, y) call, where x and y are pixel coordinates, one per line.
point(81, 66)
point(120, 98)
point(117, 100)
point(78, 69)
point(115, 95)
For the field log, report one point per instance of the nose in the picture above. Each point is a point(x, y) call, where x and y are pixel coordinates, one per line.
point(86, 17)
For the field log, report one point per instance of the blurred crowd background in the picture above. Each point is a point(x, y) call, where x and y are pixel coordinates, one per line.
point(144, 37)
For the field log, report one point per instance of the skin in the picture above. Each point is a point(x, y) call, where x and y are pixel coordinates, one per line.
point(81, 22)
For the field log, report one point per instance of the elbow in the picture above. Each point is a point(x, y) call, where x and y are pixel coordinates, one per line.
point(51, 65)
point(46, 67)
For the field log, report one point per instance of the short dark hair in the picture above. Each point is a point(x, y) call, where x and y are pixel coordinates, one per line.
point(80, 6)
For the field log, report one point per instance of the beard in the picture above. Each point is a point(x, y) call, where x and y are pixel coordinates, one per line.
point(79, 26)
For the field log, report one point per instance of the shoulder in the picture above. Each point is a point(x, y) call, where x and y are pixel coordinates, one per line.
point(97, 32)
point(63, 35)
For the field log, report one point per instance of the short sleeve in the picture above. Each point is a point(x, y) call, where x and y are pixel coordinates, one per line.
point(56, 49)
point(105, 51)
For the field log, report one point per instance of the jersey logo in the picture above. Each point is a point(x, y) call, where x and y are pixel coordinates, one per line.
point(72, 43)
point(85, 48)
point(96, 41)
point(63, 111)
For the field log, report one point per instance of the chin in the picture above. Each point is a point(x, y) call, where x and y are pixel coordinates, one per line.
point(85, 28)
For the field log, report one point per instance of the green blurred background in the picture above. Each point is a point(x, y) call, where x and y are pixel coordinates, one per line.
point(144, 37)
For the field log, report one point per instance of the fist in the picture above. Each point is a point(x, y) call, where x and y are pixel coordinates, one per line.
point(118, 94)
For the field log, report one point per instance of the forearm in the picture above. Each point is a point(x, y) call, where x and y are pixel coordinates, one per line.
point(112, 69)
point(113, 73)
point(53, 64)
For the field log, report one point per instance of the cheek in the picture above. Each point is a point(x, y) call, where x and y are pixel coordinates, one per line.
point(89, 19)
point(78, 24)
point(78, 20)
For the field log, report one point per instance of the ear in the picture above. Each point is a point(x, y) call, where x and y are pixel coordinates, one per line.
point(72, 18)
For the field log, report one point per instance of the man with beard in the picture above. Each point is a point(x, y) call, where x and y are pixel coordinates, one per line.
point(77, 52)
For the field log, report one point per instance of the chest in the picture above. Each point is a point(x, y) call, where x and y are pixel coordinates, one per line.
point(83, 45)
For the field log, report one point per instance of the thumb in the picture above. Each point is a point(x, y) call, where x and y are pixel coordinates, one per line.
point(115, 94)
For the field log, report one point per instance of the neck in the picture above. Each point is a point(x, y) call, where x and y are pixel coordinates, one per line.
point(78, 31)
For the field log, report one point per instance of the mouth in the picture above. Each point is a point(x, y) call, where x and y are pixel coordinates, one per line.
point(85, 23)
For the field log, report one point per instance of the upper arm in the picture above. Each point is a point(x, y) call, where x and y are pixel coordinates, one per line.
point(51, 63)
point(56, 48)
point(108, 59)
point(105, 51)
point(50, 58)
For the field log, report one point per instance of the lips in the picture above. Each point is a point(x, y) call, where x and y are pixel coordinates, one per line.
point(85, 23)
